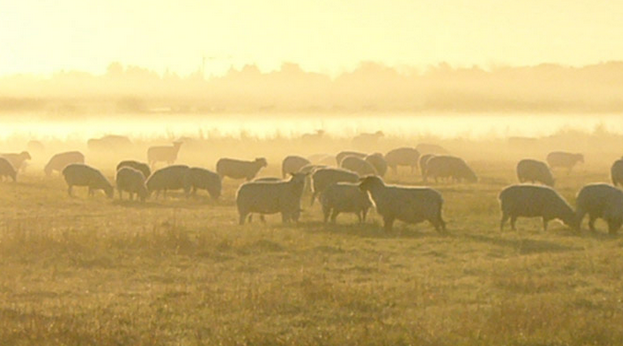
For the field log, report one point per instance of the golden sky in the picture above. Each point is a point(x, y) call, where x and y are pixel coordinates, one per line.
point(44, 36)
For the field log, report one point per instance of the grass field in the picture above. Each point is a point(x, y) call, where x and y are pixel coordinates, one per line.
point(91, 271)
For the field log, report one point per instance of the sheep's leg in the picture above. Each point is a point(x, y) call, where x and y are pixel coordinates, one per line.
point(262, 218)
point(69, 190)
point(90, 191)
point(388, 222)
point(334, 216)
point(285, 218)
point(243, 216)
point(313, 197)
point(513, 220)
point(545, 222)
point(591, 222)
point(326, 212)
point(120, 194)
point(439, 224)
point(503, 221)
point(250, 218)
point(364, 213)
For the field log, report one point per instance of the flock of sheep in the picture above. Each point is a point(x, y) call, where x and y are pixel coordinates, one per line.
point(354, 186)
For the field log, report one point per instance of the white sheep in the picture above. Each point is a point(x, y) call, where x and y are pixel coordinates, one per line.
point(408, 204)
point(323, 177)
point(402, 157)
point(292, 164)
point(600, 201)
point(534, 171)
point(7, 169)
point(344, 198)
point(59, 161)
point(79, 174)
point(343, 154)
point(164, 153)
point(564, 160)
point(131, 181)
point(203, 179)
point(143, 167)
point(378, 162)
point(168, 178)
point(239, 169)
point(17, 160)
point(451, 167)
point(358, 165)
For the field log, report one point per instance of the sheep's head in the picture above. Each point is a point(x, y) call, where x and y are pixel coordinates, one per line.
point(109, 191)
point(261, 161)
point(579, 157)
point(143, 194)
point(25, 155)
point(299, 177)
point(369, 182)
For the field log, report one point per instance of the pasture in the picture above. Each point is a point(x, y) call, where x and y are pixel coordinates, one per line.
point(91, 271)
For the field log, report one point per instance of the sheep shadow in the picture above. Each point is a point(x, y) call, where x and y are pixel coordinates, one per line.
point(372, 230)
point(524, 246)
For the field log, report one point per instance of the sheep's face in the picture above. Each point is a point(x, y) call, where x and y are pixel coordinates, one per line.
point(580, 158)
point(25, 155)
point(369, 182)
point(299, 177)
point(261, 161)
point(142, 193)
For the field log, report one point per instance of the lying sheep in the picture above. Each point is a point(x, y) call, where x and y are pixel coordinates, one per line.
point(168, 178)
point(79, 174)
point(358, 165)
point(344, 198)
point(265, 197)
point(163, 153)
point(323, 177)
point(534, 171)
point(59, 161)
point(131, 181)
point(143, 167)
point(534, 201)
point(423, 164)
point(239, 169)
point(17, 160)
point(600, 201)
point(564, 160)
point(203, 179)
point(7, 169)
point(449, 167)
point(343, 154)
point(616, 172)
point(402, 157)
point(378, 162)
point(292, 164)
point(408, 204)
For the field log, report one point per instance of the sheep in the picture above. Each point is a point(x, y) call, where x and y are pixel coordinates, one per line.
point(423, 164)
point(36, 147)
point(265, 197)
point(109, 144)
point(343, 154)
point(564, 160)
point(534, 201)
point(408, 204)
point(378, 162)
point(238, 169)
point(367, 140)
point(344, 198)
point(17, 160)
point(357, 165)
point(616, 172)
point(533, 171)
point(79, 174)
point(292, 164)
point(166, 153)
point(204, 179)
point(59, 161)
point(143, 167)
point(600, 201)
point(168, 178)
point(402, 157)
point(426, 148)
point(132, 181)
point(451, 167)
point(321, 159)
point(323, 177)
point(7, 169)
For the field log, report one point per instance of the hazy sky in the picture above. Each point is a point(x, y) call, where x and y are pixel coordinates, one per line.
point(43, 36)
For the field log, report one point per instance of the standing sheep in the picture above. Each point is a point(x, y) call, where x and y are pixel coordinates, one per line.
point(616, 172)
point(292, 164)
point(143, 167)
point(168, 178)
point(265, 197)
point(343, 154)
point(534, 201)
point(17, 160)
point(344, 198)
point(238, 169)
point(449, 167)
point(204, 179)
point(564, 160)
point(133, 182)
point(7, 170)
point(357, 165)
point(424, 163)
point(600, 201)
point(378, 162)
point(59, 161)
point(402, 157)
point(323, 177)
point(79, 174)
point(408, 204)
point(533, 171)
point(164, 153)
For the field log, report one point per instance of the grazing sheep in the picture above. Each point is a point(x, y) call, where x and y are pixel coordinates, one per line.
point(408, 204)
point(59, 161)
point(426, 148)
point(616, 172)
point(17, 160)
point(534, 201)
point(266, 197)
point(165, 153)
point(203, 179)
point(449, 167)
point(357, 165)
point(402, 157)
point(423, 164)
point(79, 174)
point(133, 182)
point(168, 178)
point(7, 170)
point(343, 154)
point(143, 167)
point(292, 164)
point(378, 162)
point(323, 177)
point(564, 160)
point(600, 201)
point(533, 171)
point(344, 198)
point(238, 169)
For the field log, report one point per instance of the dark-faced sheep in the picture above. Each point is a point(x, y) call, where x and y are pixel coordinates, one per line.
point(239, 169)
point(7, 169)
point(408, 204)
point(164, 153)
point(17, 160)
point(450, 167)
point(378, 162)
point(423, 164)
point(563, 159)
point(534, 201)
point(358, 165)
point(168, 178)
point(344, 198)
point(143, 167)
point(616, 172)
point(323, 177)
point(343, 154)
point(131, 181)
point(59, 161)
point(79, 174)
point(534, 171)
point(402, 157)
point(203, 179)
point(600, 201)
point(292, 164)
